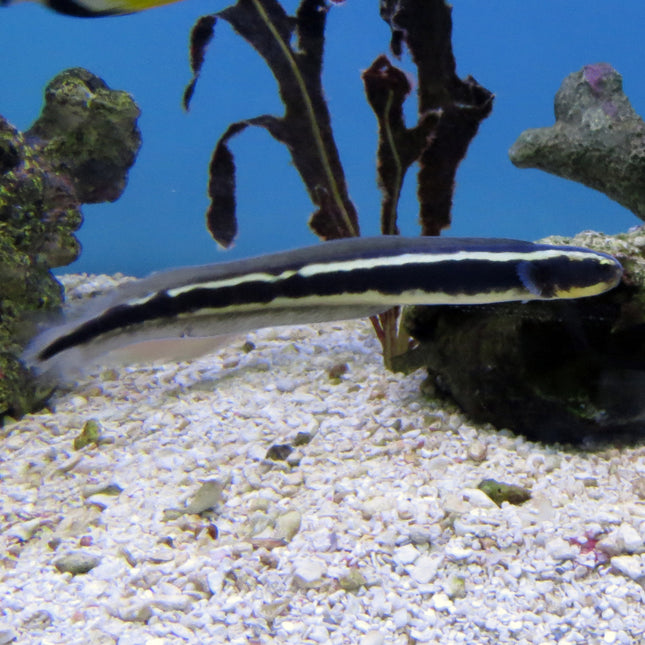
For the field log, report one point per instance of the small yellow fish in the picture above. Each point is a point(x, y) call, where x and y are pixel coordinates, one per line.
point(97, 8)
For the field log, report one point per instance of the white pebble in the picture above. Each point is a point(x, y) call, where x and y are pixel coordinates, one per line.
point(256, 451)
point(624, 539)
point(174, 602)
point(215, 581)
point(379, 603)
point(23, 531)
point(182, 632)
point(373, 637)
point(288, 524)
point(400, 618)
point(376, 505)
point(515, 568)
point(559, 549)
point(291, 626)
point(406, 554)
point(424, 569)
point(438, 465)
point(78, 401)
point(456, 551)
point(441, 602)
point(631, 538)
point(477, 451)
point(319, 634)
point(308, 572)
point(285, 385)
point(630, 565)
point(478, 498)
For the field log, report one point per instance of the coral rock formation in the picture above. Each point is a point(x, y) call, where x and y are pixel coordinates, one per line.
point(79, 150)
point(598, 139)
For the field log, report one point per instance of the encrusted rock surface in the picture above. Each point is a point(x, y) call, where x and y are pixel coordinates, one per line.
point(78, 151)
point(88, 132)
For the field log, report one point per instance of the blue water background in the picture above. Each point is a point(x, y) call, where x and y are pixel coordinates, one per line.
point(519, 50)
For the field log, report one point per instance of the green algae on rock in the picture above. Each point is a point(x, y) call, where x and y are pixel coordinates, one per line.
point(79, 150)
point(88, 132)
point(91, 433)
point(500, 492)
point(38, 215)
point(39, 212)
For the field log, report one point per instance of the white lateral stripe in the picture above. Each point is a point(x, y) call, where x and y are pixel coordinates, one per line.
point(233, 282)
point(214, 284)
point(322, 268)
point(435, 258)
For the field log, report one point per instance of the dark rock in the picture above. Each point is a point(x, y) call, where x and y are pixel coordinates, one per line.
point(38, 215)
point(77, 563)
point(336, 372)
point(598, 139)
point(551, 370)
point(302, 439)
point(279, 452)
point(39, 211)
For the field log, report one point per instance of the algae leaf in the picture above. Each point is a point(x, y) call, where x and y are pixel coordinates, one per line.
point(387, 88)
point(200, 36)
point(292, 47)
point(454, 107)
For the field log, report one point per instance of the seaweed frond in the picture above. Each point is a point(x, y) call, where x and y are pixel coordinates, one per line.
point(292, 47)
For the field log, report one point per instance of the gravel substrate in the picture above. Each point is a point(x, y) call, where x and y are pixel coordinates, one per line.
point(373, 532)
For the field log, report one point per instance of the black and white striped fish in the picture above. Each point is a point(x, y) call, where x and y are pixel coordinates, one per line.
point(336, 280)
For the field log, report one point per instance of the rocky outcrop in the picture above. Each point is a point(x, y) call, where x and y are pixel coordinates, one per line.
point(78, 151)
point(598, 139)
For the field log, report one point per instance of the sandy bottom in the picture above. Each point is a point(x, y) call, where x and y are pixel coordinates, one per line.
point(371, 532)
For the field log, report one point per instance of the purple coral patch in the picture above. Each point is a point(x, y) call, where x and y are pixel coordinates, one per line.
point(610, 109)
point(595, 75)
